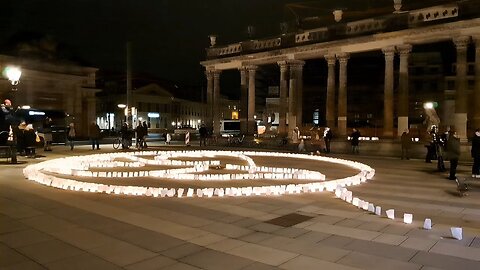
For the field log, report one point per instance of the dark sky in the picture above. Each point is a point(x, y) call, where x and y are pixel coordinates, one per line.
point(169, 37)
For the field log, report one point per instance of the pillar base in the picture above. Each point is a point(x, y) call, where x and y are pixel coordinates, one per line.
point(402, 125)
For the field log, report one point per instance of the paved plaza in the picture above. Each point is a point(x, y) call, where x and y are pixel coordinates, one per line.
point(46, 228)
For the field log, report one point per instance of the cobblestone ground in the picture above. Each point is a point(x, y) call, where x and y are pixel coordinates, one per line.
point(46, 228)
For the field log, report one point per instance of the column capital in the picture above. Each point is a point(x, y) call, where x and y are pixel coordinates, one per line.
point(283, 65)
point(461, 42)
point(404, 49)
point(251, 68)
point(331, 59)
point(296, 64)
point(389, 51)
point(209, 74)
point(343, 57)
point(216, 73)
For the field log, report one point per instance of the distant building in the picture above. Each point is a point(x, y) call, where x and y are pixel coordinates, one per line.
point(160, 109)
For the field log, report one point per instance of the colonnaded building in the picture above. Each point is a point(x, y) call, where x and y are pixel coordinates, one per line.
point(396, 37)
point(53, 85)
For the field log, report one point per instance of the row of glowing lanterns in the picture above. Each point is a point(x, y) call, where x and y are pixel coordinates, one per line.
point(346, 195)
point(79, 166)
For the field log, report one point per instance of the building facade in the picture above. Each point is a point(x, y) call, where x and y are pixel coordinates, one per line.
point(393, 35)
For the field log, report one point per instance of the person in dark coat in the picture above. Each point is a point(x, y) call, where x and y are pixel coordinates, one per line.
point(406, 141)
point(355, 138)
point(6, 120)
point(476, 154)
point(453, 149)
point(203, 135)
point(94, 134)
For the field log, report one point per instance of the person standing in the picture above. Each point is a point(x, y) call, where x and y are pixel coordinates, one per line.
point(476, 154)
point(203, 135)
point(453, 149)
point(432, 145)
point(145, 134)
point(126, 139)
point(327, 138)
point(94, 134)
point(406, 141)
point(6, 117)
point(71, 134)
point(139, 130)
point(355, 139)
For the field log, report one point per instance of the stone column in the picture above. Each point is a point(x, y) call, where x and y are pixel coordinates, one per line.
point(298, 70)
point(251, 99)
point(292, 102)
point(389, 53)
point(403, 109)
point(461, 94)
point(330, 103)
point(282, 105)
point(243, 101)
point(476, 92)
point(216, 102)
point(209, 114)
point(342, 94)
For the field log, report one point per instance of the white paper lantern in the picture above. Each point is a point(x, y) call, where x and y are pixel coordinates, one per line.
point(457, 233)
point(390, 213)
point(427, 225)
point(407, 218)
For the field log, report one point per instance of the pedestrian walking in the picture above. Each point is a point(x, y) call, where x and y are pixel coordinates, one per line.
point(453, 150)
point(71, 135)
point(406, 142)
point(94, 134)
point(476, 154)
point(355, 139)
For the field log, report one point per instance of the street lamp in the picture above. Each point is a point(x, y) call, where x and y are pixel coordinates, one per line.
point(124, 107)
point(13, 75)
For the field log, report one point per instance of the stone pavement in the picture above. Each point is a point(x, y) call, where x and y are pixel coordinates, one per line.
point(46, 228)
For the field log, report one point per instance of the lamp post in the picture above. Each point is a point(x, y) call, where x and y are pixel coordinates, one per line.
point(13, 75)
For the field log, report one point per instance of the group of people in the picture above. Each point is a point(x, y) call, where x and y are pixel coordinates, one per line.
point(447, 146)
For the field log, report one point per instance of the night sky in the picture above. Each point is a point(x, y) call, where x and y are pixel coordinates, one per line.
point(169, 37)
